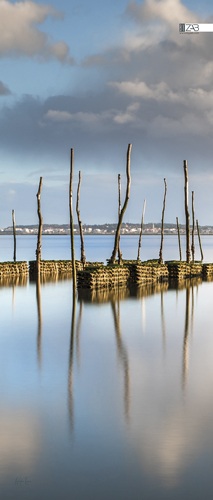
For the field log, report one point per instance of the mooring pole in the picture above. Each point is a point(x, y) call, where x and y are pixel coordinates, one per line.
point(128, 183)
point(119, 211)
point(160, 261)
point(199, 239)
point(14, 234)
point(193, 228)
point(179, 242)
point(72, 221)
point(83, 256)
point(186, 192)
point(38, 249)
point(141, 230)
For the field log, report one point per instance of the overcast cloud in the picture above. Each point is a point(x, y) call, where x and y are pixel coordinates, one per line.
point(152, 87)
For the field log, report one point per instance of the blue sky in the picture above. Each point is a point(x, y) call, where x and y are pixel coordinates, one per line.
point(96, 76)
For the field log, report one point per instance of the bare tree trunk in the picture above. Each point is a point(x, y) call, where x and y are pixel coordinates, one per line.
point(83, 257)
point(117, 234)
point(14, 234)
point(119, 211)
point(72, 221)
point(179, 242)
point(160, 260)
point(186, 191)
point(141, 230)
point(38, 250)
point(199, 239)
point(193, 229)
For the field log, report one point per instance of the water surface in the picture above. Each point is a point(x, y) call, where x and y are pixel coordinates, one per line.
point(111, 399)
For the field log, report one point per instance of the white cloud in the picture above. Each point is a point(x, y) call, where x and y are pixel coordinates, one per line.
point(80, 116)
point(20, 36)
point(170, 11)
point(159, 92)
point(128, 116)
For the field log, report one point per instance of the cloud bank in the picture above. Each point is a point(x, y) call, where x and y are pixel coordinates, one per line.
point(20, 35)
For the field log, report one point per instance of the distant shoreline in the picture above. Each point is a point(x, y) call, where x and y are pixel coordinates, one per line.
point(103, 234)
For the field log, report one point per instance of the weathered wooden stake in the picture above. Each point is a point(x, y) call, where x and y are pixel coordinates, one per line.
point(38, 249)
point(83, 256)
point(119, 211)
point(117, 234)
point(160, 260)
point(193, 229)
point(141, 230)
point(199, 239)
point(179, 241)
point(186, 193)
point(14, 234)
point(72, 221)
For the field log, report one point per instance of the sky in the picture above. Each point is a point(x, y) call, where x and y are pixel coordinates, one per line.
point(96, 76)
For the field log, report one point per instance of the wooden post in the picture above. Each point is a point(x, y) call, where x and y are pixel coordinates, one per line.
point(160, 260)
point(14, 234)
point(186, 189)
point(193, 229)
point(199, 239)
point(141, 230)
point(38, 249)
point(71, 221)
point(83, 257)
point(179, 242)
point(117, 234)
point(119, 211)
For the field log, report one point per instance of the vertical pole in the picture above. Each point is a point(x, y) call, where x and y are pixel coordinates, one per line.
point(119, 211)
point(179, 242)
point(141, 230)
point(193, 229)
point(186, 192)
point(83, 256)
point(128, 183)
point(162, 224)
point(14, 234)
point(199, 239)
point(71, 220)
point(38, 250)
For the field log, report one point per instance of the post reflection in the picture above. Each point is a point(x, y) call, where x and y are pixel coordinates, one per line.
point(163, 323)
point(78, 332)
point(122, 354)
point(188, 325)
point(186, 339)
point(39, 312)
point(70, 365)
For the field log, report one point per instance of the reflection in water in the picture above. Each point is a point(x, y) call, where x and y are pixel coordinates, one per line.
point(70, 369)
point(6, 281)
point(100, 296)
point(163, 324)
point(189, 322)
point(78, 331)
point(39, 311)
point(122, 353)
point(186, 338)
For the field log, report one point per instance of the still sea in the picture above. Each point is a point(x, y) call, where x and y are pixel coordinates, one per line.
point(111, 398)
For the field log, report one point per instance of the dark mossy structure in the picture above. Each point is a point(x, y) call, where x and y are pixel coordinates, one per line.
point(10, 269)
point(56, 267)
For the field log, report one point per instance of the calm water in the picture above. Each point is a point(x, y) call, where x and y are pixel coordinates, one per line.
point(110, 399)
point(99, 248)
